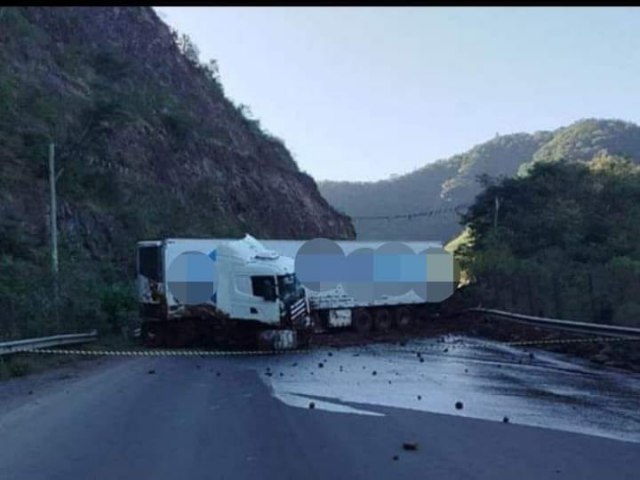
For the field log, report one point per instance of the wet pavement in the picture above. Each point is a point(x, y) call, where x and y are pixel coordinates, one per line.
point(224, 417)
point(529, 387)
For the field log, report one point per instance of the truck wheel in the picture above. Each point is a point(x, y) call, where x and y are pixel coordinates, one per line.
point(382, 320)
point(318, 324)
point(404, 319)
point(304, 338)
point(148, 335)
point(153, 334)
point(185, 333)
point(362, 321)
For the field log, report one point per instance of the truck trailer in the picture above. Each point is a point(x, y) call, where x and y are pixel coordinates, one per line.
point(240, 292)
point(335, 308)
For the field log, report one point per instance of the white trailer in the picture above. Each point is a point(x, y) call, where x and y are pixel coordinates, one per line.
point(335, 308)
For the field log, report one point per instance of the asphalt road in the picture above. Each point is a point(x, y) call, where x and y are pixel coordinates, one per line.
point(115, 420)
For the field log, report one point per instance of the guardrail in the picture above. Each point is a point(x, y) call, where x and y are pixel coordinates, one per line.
point(28, 344)
point(580, 327)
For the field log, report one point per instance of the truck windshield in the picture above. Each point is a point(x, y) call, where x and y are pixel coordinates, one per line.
point(290, 288)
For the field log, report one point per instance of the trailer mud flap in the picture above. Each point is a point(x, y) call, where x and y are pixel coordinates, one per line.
point(278, 339)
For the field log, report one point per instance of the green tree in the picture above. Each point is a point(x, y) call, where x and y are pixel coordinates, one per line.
point(562, 242)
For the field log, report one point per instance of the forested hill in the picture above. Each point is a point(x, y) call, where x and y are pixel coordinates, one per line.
point(454, 181)
point(147, 144)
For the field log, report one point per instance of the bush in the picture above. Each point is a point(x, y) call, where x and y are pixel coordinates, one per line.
point(117, 302)
point(18, 368)
point(178, 124)
point(188, 49)
point(108, 64)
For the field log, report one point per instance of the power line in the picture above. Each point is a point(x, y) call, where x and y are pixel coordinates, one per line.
point(411, 216)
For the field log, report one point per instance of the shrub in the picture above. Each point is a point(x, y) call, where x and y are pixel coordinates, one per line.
point(117, 301)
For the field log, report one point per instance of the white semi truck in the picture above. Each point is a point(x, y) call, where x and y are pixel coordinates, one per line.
point(240, 291)
point(219, 291)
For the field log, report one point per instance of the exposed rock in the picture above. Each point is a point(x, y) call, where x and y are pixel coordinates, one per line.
point(149, 143)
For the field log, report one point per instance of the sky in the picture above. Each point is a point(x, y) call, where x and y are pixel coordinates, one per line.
point(362, 94)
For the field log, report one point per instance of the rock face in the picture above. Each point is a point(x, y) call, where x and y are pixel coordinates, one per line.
point(148, 143)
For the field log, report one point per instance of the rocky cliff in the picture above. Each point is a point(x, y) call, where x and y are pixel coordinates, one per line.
point(147, 141)
point(146, 145)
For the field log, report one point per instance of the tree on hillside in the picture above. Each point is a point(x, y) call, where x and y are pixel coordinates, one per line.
point(563, 242)
point(188, 49)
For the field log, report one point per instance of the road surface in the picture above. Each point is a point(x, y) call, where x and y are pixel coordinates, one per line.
point(246, 418)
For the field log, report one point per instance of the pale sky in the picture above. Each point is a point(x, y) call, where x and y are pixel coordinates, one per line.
point(363, 93)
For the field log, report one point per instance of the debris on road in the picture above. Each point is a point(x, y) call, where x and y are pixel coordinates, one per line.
point(312, 405)
point(411, 446)
point(505, 420)
point(459, 405)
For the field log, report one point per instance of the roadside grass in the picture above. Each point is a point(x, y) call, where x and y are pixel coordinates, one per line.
point(23, 364)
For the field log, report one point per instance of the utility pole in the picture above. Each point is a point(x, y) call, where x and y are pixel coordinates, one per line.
point(54, 229)
point(54, 210)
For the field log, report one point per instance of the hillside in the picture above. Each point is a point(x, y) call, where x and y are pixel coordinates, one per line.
point(147, 144)
point(454, 181)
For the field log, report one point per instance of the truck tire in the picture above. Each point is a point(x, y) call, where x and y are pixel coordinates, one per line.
point(404, 319)
point(186, 332)
point(318, 321)
point(153, 334)
point(362, 321)
point(382, 320)
point(304, 338)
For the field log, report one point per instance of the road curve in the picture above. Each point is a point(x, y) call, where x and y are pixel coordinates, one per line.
point(214, 418)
